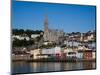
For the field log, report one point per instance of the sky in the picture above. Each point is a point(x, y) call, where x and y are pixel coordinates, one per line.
point(66, 17)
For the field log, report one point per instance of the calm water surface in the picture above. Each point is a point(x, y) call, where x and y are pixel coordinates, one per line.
point(29, 67)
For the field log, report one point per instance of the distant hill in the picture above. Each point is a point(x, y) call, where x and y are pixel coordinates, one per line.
point(28, 32)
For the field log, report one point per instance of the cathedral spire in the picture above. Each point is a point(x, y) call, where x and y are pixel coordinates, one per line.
point(46, 23)
point(46, 30)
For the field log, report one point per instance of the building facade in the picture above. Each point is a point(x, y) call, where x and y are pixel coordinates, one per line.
point(51, 35)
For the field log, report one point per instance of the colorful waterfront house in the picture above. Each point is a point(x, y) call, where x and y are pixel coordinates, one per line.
point(58, 56)
point(57, 50)
point(93, 54)
point(79, 54)
point(64, 53)
point(63, 56)
point(48, 51)
point(35, 53)
point(87, 54)
point(70, 53)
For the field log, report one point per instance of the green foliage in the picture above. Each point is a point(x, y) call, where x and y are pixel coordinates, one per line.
point(28, 32)
point(48, 45)
point(21, 32)
point(20, 43)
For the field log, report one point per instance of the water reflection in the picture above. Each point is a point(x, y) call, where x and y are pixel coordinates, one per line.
point(26, 67)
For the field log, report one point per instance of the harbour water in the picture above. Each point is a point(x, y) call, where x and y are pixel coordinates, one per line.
point(35, 67)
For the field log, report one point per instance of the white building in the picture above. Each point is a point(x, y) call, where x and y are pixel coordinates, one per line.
point(79, 54)
point(73, 53)
point(56, 50)
point(81, 47)
point(70, 53)
point(35, 35)
point(90, 37)
point(20, 37)
point(71, 43)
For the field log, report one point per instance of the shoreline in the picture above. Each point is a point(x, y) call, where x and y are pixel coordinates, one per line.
point(74, 60)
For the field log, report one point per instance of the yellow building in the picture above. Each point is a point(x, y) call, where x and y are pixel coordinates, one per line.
point(35, 53)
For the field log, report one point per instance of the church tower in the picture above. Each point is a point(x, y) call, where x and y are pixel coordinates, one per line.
point(46, 23)
point(46, 30)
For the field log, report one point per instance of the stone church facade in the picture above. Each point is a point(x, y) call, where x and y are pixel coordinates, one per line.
point(51, 35)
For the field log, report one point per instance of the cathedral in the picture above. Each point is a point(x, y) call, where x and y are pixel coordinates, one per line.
point(51, 35)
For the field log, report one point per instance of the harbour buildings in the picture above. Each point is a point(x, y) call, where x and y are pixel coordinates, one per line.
point(78, 45)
